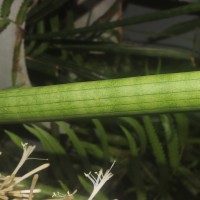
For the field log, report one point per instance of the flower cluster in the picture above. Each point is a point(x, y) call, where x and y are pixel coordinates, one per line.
point(99, 180)
point(10, 186)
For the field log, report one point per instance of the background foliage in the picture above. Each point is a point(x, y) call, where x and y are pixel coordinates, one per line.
point(157, 156)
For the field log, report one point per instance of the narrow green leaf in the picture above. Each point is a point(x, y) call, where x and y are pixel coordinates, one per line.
point(43, 65)
point(194, 7)
point(182, 129)
point(43, 46)
point(4, 23)
point(117, 140)
point(49, 143)
point(93, 150)
point(130, 50)
point(63, 186)
point(172, 141)
point(154, 141)
point(5, 8)
point(22, 13)
point(43, 9)
point(76, 142)
point(53, 148)
point(139, 130)
point(131, 141)
point(15, 138)
point(102, 135)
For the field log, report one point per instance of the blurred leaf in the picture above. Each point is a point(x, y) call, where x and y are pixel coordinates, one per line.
point(43, 9)
point(102, 135)
point(77, 144)
point(42, 46)
point(191, 8)
point(50, 144)
point(131, 50)
point(154, 141)
point(131, 141)
point(22, 13)
point(5, 8)
point(182, 129)
point(15, 138)
point(56, 152)
point(93, 150)
point(4, 23)
point(171, 140)
point(139, 130)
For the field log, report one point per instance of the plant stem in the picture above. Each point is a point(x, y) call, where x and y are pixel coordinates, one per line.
point(118, 97)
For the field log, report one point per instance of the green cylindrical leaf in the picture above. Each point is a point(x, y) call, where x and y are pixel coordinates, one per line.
point(117, 97)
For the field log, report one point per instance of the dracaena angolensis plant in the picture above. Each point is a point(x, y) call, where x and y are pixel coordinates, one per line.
point(128, 96)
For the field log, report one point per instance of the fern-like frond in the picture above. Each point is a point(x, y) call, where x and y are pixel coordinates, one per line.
point(171, 140)
point(154, 141)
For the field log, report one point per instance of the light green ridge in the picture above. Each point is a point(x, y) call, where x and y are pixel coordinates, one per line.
point(140, 95)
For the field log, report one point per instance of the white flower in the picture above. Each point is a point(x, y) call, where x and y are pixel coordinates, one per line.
point(9, 185)
point(99, 181)
point(28, 149)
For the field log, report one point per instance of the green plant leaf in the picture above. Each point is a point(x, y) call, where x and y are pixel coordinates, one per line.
point(102, 135)
point(172, 141)
point(77, 144)
point(43, 9)
point(43, 45)
point(22, 13)
point(4, 23)
point(50, 144)
point(154, 141)
point(93, 150)
point(131, 141)
point(5, 8)
point(182, 129)
point(15, 138)
point(170, 52)
point(194, 7)
point(139, 130)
